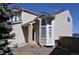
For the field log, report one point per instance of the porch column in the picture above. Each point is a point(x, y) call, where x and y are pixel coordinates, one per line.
point(30, 29)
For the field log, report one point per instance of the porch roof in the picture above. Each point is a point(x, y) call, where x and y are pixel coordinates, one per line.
point(26, 24)
point(45, 15)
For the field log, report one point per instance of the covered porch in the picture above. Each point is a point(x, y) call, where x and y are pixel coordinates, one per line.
point(31, 32)
point(40, 31)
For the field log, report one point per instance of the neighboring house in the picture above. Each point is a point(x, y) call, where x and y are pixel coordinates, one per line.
point(33, 28)
point(76, 35)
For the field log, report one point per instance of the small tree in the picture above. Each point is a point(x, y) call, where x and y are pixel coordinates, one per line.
point(5, 29)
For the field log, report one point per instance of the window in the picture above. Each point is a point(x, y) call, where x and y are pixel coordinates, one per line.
point(19, 17)
point(68, 18)
point(43, 32)
point(15, 17)
point(50, 32)
point(43, 22)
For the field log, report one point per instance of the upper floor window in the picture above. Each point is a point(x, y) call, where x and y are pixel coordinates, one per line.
point(68, 18)
point(17, 17)
point(43, 22)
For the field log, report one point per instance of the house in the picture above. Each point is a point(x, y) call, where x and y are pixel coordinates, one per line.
point(40, 29)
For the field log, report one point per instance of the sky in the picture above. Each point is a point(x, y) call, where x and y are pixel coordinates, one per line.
point(52, 7)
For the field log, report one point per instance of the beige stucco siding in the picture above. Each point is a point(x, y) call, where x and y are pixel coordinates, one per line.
point(19, 37)
point(19, 33)
point(61, 25)
point(27, 17)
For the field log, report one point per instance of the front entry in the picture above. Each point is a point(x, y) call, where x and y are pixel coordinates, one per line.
point(31, 32)
point(46, 32)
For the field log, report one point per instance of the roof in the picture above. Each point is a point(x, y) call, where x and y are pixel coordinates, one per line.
point(25, 10)
point(53, 14)
point(59, 11)
point(31, 12)
point(28, 11)
point(45, 14)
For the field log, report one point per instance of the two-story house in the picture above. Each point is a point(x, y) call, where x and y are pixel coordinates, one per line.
point(32, 28)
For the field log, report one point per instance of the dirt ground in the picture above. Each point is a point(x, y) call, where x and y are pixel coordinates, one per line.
point(32, 50)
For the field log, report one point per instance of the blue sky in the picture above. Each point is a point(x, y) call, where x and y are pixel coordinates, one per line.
point(51, 7)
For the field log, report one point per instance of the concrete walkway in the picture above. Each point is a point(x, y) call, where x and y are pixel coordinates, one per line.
point(32, 50)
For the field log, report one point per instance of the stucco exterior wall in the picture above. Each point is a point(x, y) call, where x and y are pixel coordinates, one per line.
point(61, 25)
point(19, 33)
point(19, 39)
point(27, 17)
